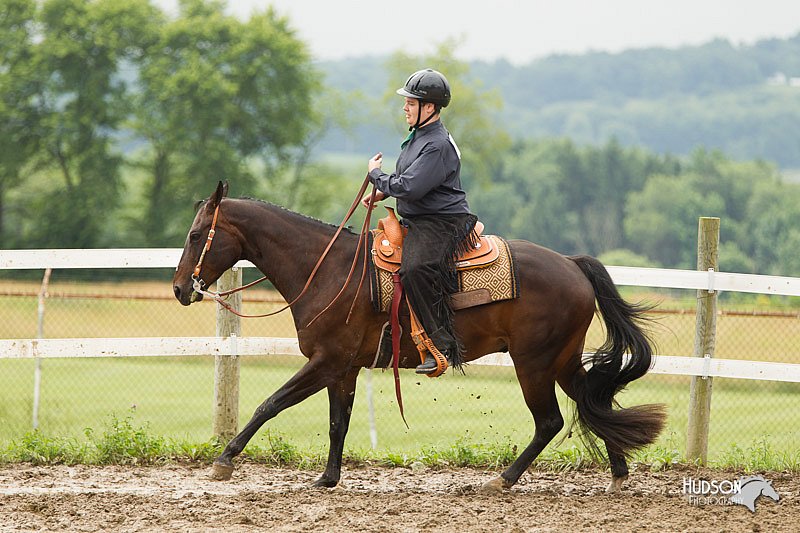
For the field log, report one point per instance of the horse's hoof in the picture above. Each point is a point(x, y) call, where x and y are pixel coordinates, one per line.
point(325, 483)
point(495, 486)
point(220, 472)
point(616, 484)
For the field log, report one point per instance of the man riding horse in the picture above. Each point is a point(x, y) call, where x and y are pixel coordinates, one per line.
point(427, 185)
point(543, 329)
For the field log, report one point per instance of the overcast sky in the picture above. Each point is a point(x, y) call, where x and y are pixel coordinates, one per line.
point(521, 30)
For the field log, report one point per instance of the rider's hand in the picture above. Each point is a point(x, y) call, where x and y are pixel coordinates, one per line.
point(378, 197)
point(375, 162)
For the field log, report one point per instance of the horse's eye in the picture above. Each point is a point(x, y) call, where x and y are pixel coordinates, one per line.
point(194, 236)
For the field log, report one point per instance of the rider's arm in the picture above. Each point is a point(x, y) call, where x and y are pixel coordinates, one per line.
point(425, 173)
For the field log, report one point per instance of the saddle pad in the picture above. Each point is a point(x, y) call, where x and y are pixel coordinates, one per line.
point(477, 285)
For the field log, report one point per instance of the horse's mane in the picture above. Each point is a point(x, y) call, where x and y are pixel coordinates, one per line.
point(301, 216)
point(315, 221)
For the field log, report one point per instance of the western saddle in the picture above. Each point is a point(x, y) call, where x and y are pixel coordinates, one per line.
point(387, 246)
point(387, 253)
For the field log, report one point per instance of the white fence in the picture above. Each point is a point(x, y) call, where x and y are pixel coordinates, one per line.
point(223, 347)
point(177, 346)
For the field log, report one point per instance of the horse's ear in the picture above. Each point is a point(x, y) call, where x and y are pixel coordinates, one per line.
point(219, 194)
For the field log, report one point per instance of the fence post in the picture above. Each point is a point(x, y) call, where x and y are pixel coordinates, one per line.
point(37, 371)
point(704, 341)
point(226, 366)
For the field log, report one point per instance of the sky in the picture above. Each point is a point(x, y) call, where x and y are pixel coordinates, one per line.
point(521, 31)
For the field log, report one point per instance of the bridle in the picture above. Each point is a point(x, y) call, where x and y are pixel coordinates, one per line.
point(197, 282)
point(198, 285)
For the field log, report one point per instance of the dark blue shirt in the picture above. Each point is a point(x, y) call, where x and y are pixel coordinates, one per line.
point(427, 178)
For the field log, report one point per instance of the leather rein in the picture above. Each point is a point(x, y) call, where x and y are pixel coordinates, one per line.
point(199, 285)
point(363, 245)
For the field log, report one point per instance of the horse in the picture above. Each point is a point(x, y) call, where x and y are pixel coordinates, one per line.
point(543, 330)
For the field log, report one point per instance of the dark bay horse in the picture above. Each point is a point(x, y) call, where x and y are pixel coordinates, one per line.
point(543, 331)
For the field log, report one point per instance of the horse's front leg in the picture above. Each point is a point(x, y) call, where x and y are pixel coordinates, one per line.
point(310, 379)
point(340, 396)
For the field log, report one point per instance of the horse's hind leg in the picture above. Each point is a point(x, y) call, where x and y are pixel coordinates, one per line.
point(340, 397)
point(619, 465)
point(540, 396)
point(619, 470)
point(307, 381)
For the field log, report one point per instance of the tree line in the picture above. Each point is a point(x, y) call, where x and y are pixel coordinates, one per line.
point(115, 118)
point(741, 99)
point(633, 207)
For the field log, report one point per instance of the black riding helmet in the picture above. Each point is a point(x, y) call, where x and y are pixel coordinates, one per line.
point(427, 85)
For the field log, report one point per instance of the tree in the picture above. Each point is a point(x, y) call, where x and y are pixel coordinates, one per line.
point(78, 101)
point(568, 197)
point(219, 99)
point(526, 198)
point(772, 214)
point(661, 219)
point(734, 182)
point(18, 114)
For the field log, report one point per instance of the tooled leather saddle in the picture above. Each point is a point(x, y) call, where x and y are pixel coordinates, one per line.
point(387, 246)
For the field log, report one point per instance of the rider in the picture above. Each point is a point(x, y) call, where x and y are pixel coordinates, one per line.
point(433, 205)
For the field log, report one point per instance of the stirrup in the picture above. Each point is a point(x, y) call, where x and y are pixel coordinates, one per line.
point(428, 351)
point(426, 348)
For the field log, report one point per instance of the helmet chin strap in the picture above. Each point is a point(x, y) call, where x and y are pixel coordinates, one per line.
point(419, 115)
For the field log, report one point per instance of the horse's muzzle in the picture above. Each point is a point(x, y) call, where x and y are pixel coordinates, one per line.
point(187, 297)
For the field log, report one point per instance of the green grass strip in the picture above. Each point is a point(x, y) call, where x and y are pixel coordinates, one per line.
point(124, 443)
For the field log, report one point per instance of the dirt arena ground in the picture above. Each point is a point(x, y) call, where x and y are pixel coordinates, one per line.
point(260, 498)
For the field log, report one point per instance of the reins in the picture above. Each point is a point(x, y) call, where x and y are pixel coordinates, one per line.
point(199, 285)
point(363, 246)
point(361, 239)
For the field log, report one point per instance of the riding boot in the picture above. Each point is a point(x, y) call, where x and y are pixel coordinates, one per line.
point(445, 343)
point(428, 366)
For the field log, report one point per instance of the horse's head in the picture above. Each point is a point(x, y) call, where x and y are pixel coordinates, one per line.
point(211, 248)
point(769, 491)
point(751, 488)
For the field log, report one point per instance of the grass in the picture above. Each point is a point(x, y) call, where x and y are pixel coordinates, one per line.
point(123, 442)
point(480, 417)
point(162, 406)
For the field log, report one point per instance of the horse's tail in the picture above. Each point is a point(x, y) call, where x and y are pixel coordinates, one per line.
point(624, 429)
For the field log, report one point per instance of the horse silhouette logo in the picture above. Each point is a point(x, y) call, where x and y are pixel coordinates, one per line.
point(751, 488)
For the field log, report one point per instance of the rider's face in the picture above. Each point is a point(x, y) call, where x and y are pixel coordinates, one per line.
point(411, 108)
